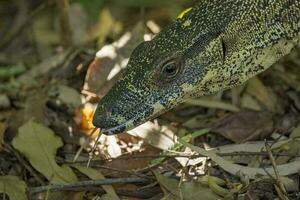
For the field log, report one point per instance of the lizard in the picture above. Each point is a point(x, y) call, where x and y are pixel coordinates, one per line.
point(216, 45)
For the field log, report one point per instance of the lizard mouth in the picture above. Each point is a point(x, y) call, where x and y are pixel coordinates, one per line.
point(109, 126)
point(117, 129)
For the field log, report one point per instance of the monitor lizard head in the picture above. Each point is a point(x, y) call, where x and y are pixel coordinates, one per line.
point(198, 54)
point(156, 79)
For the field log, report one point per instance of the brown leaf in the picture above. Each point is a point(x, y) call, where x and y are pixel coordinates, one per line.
point(133, 163)
point(244, 125)
point(35, 107)
point(112, 57)
point(262, 189)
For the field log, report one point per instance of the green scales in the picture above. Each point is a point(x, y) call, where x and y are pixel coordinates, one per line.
point(214, 46)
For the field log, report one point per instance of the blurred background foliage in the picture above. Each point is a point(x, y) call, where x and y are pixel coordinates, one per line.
point(32, 27)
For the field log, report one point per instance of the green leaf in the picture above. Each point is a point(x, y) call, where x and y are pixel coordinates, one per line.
point(92, 7)
point(39, 145)
point(69, 96)
point(296, 132)
point(184, 190)
point(8, 71)
point(97, 175)
point(13, 187)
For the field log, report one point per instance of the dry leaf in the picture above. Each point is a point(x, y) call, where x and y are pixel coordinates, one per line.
point(35, 107)
point(113, 149)
point(110, 59)
point(262, 189)
point(244, 125)
point(159, 136)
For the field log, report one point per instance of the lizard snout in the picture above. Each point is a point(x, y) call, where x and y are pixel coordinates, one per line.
point(104, 119)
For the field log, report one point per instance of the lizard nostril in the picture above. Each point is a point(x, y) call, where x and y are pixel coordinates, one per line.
point(113, 110)
point(104, 117)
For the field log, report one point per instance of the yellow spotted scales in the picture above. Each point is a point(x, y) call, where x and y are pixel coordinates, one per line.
point(214, 46)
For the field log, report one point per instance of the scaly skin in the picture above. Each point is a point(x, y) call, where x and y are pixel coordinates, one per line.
point(215, 46)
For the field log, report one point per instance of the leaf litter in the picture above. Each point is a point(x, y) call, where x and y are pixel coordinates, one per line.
point(240, 143)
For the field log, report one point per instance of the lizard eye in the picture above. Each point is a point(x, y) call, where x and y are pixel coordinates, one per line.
point(170, 69)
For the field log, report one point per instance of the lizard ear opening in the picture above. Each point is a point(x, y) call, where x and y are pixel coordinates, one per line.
point(224, 49)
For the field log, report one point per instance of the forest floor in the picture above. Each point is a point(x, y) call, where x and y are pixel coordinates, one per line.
point(241, 143)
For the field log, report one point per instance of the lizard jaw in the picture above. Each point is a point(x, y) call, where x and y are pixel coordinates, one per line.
point(114, 130)
point(116, 127)
point(122, 127)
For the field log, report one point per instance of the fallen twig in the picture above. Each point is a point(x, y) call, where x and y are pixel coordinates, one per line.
point(87, 140)
point(279, 185)
point(66, 29)
point(70, 186)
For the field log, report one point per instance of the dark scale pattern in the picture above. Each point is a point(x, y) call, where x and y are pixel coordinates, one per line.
point(216, 45)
